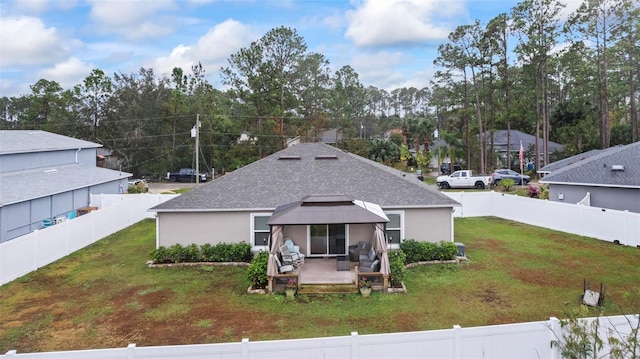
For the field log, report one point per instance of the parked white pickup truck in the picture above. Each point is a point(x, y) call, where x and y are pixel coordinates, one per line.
point(463, 179)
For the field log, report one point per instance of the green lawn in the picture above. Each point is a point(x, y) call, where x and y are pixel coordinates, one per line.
point(105, 296)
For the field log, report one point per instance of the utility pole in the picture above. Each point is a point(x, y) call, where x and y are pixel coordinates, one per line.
point(195, 132)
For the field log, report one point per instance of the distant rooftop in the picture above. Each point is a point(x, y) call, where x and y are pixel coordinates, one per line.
point(21, 141)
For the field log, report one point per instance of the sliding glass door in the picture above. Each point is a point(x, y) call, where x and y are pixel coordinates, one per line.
point(327, 239)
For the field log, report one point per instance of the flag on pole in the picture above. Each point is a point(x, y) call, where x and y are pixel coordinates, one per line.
point(521, 155)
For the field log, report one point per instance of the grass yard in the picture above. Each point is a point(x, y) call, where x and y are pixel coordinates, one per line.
point(105, 296)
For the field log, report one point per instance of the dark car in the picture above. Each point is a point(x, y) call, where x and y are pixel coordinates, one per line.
point(501, 174)
point(445, 168)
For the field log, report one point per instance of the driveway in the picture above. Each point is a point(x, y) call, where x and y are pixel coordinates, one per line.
point(163, 187)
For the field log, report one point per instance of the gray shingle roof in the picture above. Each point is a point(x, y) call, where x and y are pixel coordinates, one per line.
point(500, 140)
point(18, 186)
point(597, 169)
point(271, 182)
point(567, 161)
point(20, 141)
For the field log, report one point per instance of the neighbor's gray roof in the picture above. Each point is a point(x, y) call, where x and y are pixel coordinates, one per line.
point(20, 186)
point(596, 170)
point(567, 161)
point(500, 140)
point(271, 182)
point(327, 210)
point(19, 141)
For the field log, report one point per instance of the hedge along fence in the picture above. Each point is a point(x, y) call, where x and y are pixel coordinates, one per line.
point(219, 253)
point(428, 251)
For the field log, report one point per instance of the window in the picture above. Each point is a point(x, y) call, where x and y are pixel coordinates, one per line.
point(260, 230)
point(394, 229)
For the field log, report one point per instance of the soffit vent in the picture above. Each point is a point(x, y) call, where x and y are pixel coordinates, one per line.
point(326, 157)
point(289, 158)
point(617, 167)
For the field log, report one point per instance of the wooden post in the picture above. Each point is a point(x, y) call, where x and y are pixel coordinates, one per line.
point(270, 285)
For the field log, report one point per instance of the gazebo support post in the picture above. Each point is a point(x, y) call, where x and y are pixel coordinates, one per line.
point(385, 283)
point(270, 285)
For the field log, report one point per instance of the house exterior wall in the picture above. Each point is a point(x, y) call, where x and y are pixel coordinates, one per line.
point(298, 235)
point(604, 197)
point(203, 227)
point(24, 161)
point(428, 224)
point(431, 224)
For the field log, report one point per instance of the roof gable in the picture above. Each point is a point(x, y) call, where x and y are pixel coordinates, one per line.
point(599, 169)
point(320, 170)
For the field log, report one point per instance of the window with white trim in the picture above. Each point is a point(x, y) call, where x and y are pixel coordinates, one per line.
point(394, 228)
point(260, 229)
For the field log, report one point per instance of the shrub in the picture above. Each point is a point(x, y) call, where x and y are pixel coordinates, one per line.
point(241, 252)
point(257, 271)
point(160, 255)
point(207, 252)
point(176, 253)
point(397, 260)
point(427, 251)
point(221, 252)
point(191, 253)
point(544, 192)
point(506, 184)
point(141, 187)
point(411, 249)
point(447, 251)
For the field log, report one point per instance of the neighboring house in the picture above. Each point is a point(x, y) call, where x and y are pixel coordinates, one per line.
point(509, 141)
point(565, 162)
point(341, 188)
point(607, 178)
point(46, 178)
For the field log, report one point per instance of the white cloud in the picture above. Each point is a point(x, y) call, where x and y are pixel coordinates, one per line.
point(68, 73)
point(388, 70)
point(212, 49)
point(41, 6)
point(134, 20)
point(389, 22)
point(26, 41)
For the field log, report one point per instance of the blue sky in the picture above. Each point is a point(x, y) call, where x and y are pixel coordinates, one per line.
point(390, 43)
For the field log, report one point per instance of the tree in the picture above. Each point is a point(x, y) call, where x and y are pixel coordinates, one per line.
point(537, 23)
point(262, 76)
point(94, 94)
point(598, 21)
point(348, 99)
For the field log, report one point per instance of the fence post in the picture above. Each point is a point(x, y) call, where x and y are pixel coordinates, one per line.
point(457, 342)
point(131, 351)
point(554, 326)
point(245, 348)
point(354, 345)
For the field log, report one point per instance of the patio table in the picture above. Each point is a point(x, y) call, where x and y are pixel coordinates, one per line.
point(343, 263)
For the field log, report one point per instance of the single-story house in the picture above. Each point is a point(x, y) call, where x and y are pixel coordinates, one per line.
point(322, 198)
point(509, 141)
point(46, 178)
point(238, 206)
point(608, 178)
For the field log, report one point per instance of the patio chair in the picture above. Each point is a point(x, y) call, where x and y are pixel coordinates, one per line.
point(367, 258)
point(372, 267)
point(357, 249)
point(288, 256)
point(283, 268)
point(293, 248)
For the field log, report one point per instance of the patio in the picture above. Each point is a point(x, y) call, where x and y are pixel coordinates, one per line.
point(324, 271)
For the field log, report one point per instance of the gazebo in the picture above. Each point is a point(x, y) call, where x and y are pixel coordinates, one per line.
point(328, 210)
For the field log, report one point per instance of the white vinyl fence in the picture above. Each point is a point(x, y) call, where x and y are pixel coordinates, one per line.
point(601, 223)
point(522, 340)
point(27, 253)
